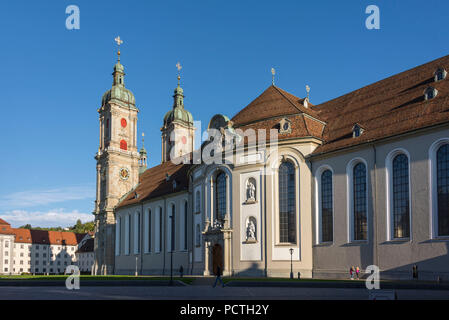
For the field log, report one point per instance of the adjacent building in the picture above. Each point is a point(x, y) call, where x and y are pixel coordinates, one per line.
point(36, 251)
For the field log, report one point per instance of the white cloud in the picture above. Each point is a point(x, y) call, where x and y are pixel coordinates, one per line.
point(33, 198)
point(51, 218)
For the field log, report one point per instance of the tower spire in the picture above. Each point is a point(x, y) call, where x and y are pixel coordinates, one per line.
point(119, 70)
point(179, 93)
point(119, 42)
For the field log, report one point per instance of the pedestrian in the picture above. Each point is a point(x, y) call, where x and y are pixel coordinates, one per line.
point(357, 272)
point(218, 274)
point(181, 271)
point(351, 273)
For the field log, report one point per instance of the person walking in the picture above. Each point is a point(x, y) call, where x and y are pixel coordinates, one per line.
point(357, 273)
point(351, 273)
point(218, 273)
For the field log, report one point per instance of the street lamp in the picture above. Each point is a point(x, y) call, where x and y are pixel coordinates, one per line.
point(291, 263)
point(136, 267)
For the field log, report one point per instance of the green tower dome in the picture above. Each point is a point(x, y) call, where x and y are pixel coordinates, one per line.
point(118, 90)
point(178, 113)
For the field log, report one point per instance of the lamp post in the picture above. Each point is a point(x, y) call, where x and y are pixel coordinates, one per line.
point(136, 266)
point(171, 250)
point(291, 263)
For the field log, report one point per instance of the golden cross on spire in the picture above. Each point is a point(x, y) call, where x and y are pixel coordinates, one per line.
point(119, 42)
point(179, 67)
point(273, 72)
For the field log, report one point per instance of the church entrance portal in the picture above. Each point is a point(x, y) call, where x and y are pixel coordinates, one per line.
point(217, 258)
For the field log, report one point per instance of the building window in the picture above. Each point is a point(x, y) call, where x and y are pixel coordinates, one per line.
point(360, 202)
point(401, 199)
point(287, 203)
point(160, 230)
point(185, 225)
point(198, 236)
point(430, 93)
point(118, 239)
point(197, 202)
point(137, 233)
point(326, 207)
point(443, 190)
point(440, 74)
point(172, 227)
point(220, 195)
point(149, 232)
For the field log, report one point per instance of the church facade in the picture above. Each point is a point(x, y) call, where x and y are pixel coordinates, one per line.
point(283, 186)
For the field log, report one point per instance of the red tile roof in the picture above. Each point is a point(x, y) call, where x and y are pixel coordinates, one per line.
point(3, 222)
point(153, 183)
point(42, 236)
point(386, 108)
point(273, 102)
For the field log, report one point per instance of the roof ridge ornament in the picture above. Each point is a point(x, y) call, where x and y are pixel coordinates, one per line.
point(273, 72)
point(179, 67)
point(119, 42)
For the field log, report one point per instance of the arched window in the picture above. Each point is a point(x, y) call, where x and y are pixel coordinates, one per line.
point(198, 236)
point(172, 228)
point(197, 201)
point(220, 195)
point(123, 145)
point(443, 190)
point(360, 205)
point(287, 203)
point(401, 200)
point(326, 207)
point(185, 225)
point(150, 233)
point(161, 230)
point(137, 232)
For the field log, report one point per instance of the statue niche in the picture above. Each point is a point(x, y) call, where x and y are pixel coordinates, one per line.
point(250, 191)
point(251, 224)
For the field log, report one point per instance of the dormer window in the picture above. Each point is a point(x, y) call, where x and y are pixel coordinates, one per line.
point(430, 93)
point(357, 131)
point(285, 126)
point(440, 74)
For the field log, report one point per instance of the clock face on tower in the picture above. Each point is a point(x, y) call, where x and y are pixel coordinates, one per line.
point(184, 140)
point(123, 122)
point(124, 174)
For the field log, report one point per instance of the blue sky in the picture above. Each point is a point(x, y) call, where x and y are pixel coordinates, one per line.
point(53, 79)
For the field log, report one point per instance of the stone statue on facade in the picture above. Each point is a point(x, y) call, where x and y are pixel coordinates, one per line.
point(250, 192)
point(251, 231)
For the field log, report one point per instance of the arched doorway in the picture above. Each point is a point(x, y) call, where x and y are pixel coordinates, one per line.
point(217, 258)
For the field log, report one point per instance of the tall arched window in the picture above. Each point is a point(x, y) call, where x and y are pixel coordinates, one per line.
point(287, 203)
point(161, 230)
point(360, 205)
point(150, 233)
point(443, 189)
point(401, 200)
point(172, 228)
point(326, 207)
point(197, 201)
point(185, 225)
point(220, 195)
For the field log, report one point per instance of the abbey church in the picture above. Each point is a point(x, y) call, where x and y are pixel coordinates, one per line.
point(283, 185)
